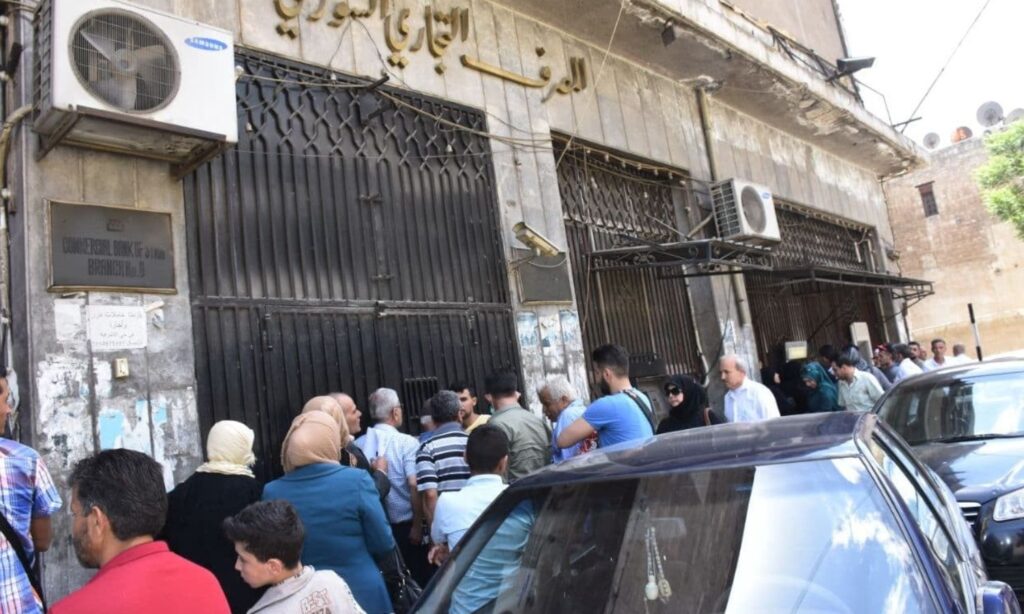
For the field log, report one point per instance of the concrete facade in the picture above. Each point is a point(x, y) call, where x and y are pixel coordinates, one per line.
point(971, 255)
point(772, 121)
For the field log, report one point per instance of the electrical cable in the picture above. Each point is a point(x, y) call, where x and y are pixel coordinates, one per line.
point(948, 60)
point(597, 77)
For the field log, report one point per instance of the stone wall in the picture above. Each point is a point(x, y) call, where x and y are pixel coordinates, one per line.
point(970, 255)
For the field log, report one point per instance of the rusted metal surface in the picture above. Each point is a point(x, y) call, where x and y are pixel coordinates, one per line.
point(341, 245)
point(632, 307)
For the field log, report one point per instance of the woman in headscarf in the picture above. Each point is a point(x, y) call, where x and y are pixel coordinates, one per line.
point(823, 394)
point(197, 507)
point(688, 402)
point(350, 454)
point(345, 523)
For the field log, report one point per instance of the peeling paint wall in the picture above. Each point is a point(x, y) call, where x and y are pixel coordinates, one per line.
point(79, 406)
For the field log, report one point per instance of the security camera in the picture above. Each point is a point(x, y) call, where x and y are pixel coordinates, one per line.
point(536, 241)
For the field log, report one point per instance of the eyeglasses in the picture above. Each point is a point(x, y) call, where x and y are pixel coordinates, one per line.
point(673, 391)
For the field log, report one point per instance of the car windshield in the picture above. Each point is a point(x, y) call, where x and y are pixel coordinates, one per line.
point(813, 536)
point(957, 410)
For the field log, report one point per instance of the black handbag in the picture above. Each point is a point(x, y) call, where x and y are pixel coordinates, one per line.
point(403, 590)
point(12, 538)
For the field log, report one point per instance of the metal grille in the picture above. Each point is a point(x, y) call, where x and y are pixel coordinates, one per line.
point(817, 313)
point(970, 511)
point(124, 60)
point(649, 316)
point(727, 213)
point(812, 241)
point(331, 250)
point(43, 57)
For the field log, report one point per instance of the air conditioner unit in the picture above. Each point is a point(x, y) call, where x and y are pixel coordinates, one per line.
point(745, 212)
point(117, 77)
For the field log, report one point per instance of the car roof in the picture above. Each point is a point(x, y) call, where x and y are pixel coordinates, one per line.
point(793, 438)
point(930, 379)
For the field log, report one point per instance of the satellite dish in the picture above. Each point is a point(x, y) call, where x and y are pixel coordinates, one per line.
point(1015, 115)
point(990, 114)
point(931, 140)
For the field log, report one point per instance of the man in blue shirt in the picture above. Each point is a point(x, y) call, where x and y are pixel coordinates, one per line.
point(624, 414)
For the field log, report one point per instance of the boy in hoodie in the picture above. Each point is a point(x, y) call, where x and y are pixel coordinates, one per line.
point(268, 539)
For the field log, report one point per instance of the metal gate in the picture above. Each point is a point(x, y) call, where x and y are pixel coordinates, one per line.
point(817, 313)
point(603, 201)
point(349, 241)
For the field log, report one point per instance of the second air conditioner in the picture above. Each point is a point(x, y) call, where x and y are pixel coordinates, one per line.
point(745, 212)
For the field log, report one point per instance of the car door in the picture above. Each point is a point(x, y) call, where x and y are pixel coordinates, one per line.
point(941, 532)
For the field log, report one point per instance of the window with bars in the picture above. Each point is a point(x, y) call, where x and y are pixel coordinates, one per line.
point(928, 199)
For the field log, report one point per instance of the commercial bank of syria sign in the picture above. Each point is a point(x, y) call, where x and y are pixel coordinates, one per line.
point(110, 248)
point(431, 31)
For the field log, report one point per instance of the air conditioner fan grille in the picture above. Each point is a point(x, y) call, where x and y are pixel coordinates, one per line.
point(124, 60)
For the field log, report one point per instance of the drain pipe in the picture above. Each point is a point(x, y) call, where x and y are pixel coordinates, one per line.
point(736, 278)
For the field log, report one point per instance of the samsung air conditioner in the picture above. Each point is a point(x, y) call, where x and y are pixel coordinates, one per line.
point(118, 77)
point(745, 212)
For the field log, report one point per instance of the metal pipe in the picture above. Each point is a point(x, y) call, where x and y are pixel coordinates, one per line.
point(738, 288)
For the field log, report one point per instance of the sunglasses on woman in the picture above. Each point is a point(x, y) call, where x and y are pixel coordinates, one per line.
point(673, 391)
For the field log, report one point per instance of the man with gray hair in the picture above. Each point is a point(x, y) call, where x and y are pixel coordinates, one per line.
point(746, 400)
point(562, 408)
point(403, 506)
point(441, 462)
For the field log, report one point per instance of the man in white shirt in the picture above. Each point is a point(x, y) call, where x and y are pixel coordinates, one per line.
point(960, 356)
point(456, 511)
point(746, 400)
point(858, 390)
point(907, 367)
point(938, 359)
point(403, 506)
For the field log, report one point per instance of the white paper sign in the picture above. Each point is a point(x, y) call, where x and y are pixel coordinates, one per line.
point(116, 328)
point(67, 318)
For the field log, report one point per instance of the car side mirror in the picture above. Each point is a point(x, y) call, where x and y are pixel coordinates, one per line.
point(998, 598)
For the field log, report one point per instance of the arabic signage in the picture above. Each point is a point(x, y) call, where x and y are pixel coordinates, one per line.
point(434, 31)
point(109, 248)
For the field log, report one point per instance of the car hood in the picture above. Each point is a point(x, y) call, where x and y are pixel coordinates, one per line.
point(977, 470)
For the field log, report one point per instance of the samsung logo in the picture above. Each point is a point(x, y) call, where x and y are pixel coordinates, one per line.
point(206, 44)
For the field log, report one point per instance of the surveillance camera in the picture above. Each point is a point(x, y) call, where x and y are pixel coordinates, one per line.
point(538, 242)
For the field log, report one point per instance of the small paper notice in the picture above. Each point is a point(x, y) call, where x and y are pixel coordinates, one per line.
point(116, 328)
point(67, 318)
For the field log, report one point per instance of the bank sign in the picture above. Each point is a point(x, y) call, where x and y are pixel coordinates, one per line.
point(110, 248)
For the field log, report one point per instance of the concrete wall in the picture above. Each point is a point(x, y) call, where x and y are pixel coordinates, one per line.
point(969, 254)
point(811, 22)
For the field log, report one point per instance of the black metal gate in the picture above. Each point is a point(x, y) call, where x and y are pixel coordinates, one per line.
point(603, 202)
point(349, 241)
point(814, 312)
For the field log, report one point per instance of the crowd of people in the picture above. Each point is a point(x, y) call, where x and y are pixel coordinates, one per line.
point(358, 520)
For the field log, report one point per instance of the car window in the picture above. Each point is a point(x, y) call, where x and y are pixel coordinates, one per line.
point(907, 481)
point(958, 409)
point(778, 538)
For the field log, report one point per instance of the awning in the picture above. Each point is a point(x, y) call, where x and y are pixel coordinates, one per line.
point(903, 288)
point(708, 256)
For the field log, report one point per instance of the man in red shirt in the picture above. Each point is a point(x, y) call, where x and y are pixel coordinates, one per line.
point(119, 503)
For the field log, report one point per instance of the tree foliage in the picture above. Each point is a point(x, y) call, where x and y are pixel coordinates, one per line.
point(1002, 178)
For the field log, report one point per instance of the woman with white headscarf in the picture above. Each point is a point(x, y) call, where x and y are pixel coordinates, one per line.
point(220, 487)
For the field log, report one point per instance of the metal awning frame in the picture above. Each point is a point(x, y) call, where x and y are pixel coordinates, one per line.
point(707, 256)
point(905, 289)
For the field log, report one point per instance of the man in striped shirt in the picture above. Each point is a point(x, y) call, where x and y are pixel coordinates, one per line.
point(441, 461)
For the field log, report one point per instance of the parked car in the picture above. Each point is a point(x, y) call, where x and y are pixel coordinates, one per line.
point(967, 424)
point(814, 513)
